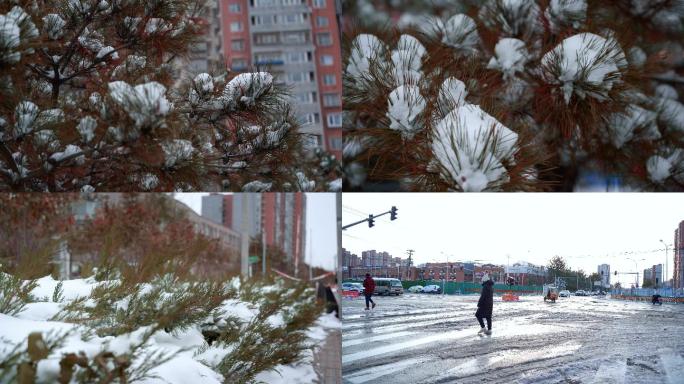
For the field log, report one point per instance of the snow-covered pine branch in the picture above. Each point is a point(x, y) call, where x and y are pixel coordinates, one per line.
point(92, 100)
point(585, 88)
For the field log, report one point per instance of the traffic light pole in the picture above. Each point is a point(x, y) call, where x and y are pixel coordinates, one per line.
point(371, 218)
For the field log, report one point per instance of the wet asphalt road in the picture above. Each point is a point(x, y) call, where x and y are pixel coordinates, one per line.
point(418, 338)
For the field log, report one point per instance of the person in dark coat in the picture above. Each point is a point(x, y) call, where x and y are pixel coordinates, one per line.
point(485, 304)
point(368, 289)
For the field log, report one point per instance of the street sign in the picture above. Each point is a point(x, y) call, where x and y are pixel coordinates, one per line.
point(254, 259)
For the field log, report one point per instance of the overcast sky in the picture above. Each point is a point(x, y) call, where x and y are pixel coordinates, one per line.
point(320, 218)
point(587, 229)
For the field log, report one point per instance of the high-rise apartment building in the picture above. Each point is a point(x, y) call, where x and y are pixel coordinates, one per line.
point(206, 55)
point(298, 41)
point(678, 272)
point(604, 272)
point(281, 217)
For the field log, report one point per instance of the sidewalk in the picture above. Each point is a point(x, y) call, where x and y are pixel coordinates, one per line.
point(328, 359)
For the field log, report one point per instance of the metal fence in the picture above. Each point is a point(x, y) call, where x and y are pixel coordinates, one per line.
point(464, 288)
point(648, 292)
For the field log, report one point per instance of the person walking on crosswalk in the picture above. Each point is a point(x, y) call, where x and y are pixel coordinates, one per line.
point(485, 304)
point(368, 289)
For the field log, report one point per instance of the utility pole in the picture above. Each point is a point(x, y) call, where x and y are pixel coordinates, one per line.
point(409, 252)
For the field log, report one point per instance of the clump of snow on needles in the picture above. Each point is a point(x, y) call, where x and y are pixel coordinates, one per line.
point(460, 32)
point(510, 57)
point(659, 168)
point(405, 104)
point(585, 64)
point(366, 49)
point(470, 145)
point(145, 103)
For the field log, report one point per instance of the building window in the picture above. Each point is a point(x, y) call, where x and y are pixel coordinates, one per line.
point(313, 141)
point(335, 143)
point(268, 58)
point(299, 77)
point(239, 64)
point(266, 38)
point(319, 3)
point(321, 21)
point(327, 60)
point(234, 8)
point(324, 39)
point(237, 45)
point(295, 37)
point(305, 98)
point(331, 100)
point(296, 57)
point(296, 18)
point(263, 20)
point(263, 3)
point(235, 26)
point(329, 79)
point(335, 120)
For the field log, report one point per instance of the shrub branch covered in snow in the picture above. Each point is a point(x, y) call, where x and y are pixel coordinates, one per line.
point(562, 88)
point(14, 293)
point(164, 329)
point(93, 99)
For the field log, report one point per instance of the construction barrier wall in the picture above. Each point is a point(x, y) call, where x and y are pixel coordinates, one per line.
point(648, 298)
point(463, 288)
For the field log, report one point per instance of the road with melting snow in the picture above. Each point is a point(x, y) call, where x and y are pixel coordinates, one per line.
point(419, 338)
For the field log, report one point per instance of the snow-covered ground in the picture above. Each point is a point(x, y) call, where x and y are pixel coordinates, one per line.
point(192, 361)
point(419, 338)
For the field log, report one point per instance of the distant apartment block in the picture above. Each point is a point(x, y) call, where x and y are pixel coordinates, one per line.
point(604, 272)
point(678, 273)
point(298, 41)
point(281, 217)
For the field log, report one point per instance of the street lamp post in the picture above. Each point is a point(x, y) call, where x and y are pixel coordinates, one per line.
point(664, 278)
point(637, 270)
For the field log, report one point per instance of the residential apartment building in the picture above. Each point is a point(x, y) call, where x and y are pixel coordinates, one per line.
point(279, 217)
point(350, 259)
point(604, 272)
point(525, 273)
point(207, 54)
point(298, 41)
point(678, 272)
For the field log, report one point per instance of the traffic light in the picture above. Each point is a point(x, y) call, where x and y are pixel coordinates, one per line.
point(371, 221)
point(393, 213)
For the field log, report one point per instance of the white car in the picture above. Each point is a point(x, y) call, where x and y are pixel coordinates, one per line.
point(564, 293)
point(416, 289)
point(432, 289)
point(358, 287)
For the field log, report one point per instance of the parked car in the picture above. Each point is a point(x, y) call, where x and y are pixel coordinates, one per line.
point(416, 289)
point(358, 287)
point(564, 293)
point(580, 292)
point(432, 289)
point(387, 286)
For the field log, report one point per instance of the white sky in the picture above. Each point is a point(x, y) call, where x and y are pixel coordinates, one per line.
point(320, 218)
point(587, 229)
